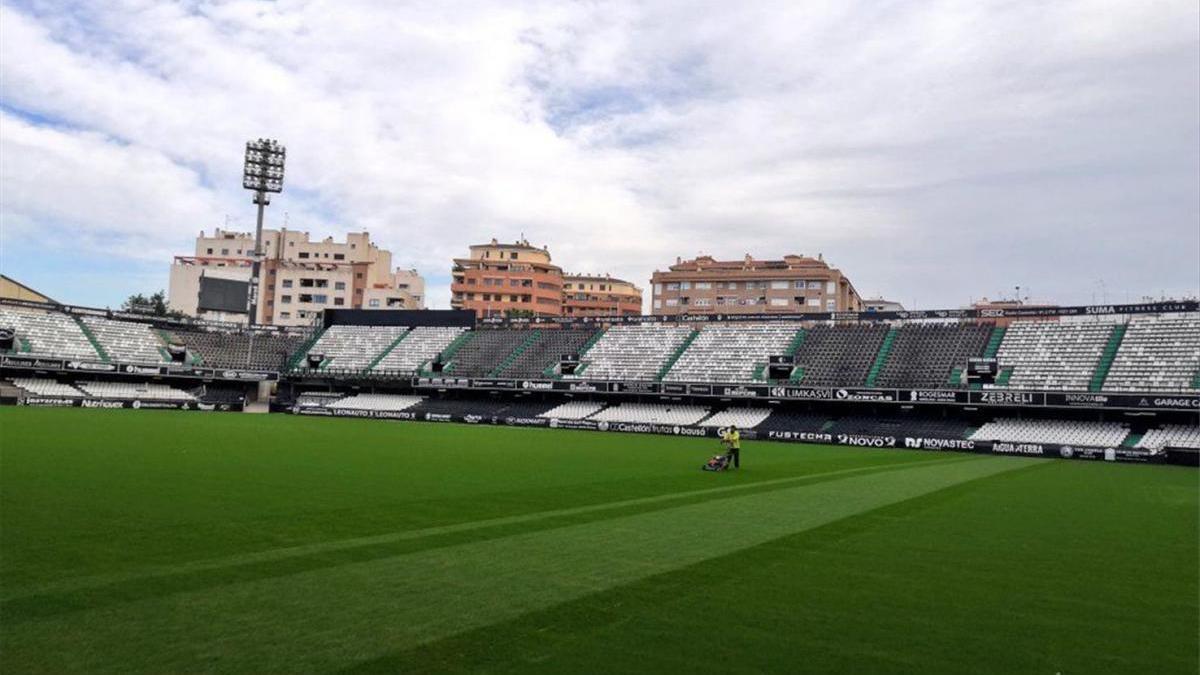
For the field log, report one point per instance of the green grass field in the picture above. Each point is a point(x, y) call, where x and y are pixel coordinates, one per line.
point(168, 542)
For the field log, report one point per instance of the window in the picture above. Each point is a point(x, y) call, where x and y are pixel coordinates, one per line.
point(658, 289)
point(285, 315)
point(779, 302)
point(287, 283)
point(685, 285)
point(306, 283)
point(322, 283)
point(673, 286)
point(814, 302)
point(512, 256)
point(358, 275)
point(779, 285)
point(339, 285)
point(339, 256)
point(814, 285)
point(224, 251)
point(210, 251)
point(303, 254)
point(703, 302)
point(830, 305)
point(320, 299)
point(373, 302)
point(305, 297)
point(672, 302)
point(830, 287)
point(338, 302)
point(658, 304)
point(285, 299)
point(703, 285)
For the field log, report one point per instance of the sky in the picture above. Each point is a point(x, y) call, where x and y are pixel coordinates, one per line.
point(935, 152)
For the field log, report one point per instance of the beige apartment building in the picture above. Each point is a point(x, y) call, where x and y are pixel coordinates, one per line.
point(299, 277)
point(793, 284)
point(600, 295)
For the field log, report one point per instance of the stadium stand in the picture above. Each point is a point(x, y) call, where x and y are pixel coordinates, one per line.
point(485, 408)
point(1064, 432)
point(353, 348)
point(317, 399)
point(486, 351)
point(1051, 355)
point(900, 426)
point(837, 356)
point(544, 353)
point(632, 352)
point(213, 393)
point(787, 421)
point(925, 355)
point(731, 352)
point(1170, 436)
point(46, 387)
point(1157, 354)
point(652, 413)
point(390, 402)
point(743, 418)
point(42, 333)
point(126, 341)
point(135, 390)
point(255, 351)
point(418, 347)
point(573, 410)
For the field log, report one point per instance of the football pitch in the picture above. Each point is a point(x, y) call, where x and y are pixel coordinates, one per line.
point(175, 542)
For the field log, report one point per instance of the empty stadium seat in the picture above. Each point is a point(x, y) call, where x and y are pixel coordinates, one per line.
point(46, 333)
point(353, 348)
point(1157, 354)
point(485, 351)
point(418, 348)
point(632, 352)
point(546, 351)
point(574, 410)
point(731, 352)
point(241, 349)
point(1052, 355)
point(838, 356)
point(388, 402)
point(924, 355)
point(135, 390)
point(127, 341)
point(1170, 436)
point(742, 418)
point(39, 386)
point(652, 413)
point(1061, 432)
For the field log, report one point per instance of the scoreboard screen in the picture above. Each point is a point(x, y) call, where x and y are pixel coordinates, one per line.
point(983, 370)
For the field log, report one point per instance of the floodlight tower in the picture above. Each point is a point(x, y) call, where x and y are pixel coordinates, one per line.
point(263, 173)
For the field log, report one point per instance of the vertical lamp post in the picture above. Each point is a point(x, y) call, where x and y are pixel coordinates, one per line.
point(263, 173)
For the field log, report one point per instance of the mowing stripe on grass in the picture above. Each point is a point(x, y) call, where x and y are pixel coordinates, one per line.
point(155, 580)
point(331, 617)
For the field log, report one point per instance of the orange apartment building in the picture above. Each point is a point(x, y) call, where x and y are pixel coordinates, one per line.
point(795, 283)
point(497, 279)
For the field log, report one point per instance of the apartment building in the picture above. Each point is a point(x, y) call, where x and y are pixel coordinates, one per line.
point(795, 283)
point(600, 295)
point(499, 279)
point(299, 277)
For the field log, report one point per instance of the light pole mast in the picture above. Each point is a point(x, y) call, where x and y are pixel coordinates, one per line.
point(263, 173)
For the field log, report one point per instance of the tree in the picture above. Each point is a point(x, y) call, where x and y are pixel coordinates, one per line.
point(154, 304)
point(518, 314)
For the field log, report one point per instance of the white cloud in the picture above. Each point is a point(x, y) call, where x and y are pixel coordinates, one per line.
point(913, 144)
